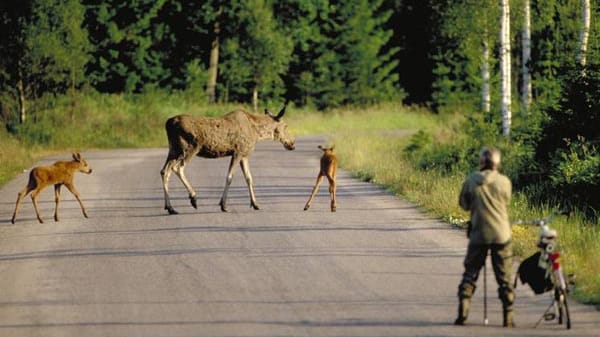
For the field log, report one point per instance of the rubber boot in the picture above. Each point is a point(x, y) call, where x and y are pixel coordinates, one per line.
point(507, 296)
point(463, 311)
point(507, 318)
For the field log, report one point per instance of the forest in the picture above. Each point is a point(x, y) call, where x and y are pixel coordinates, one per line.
point(524, 74)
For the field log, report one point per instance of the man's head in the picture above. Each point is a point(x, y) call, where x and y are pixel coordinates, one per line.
point(489, 158)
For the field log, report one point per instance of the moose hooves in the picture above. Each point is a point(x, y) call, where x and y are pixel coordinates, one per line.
point(306, 208)
point(223, 207)
point(193, 200)
point(255, 206)
point(171, 210)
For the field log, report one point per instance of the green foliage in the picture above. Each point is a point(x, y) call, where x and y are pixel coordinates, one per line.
point(196, 76)
point(130, 39)
point(467, 26)
point(341, 52)
point(58, 48)
point(575, 175)
point(258, 53)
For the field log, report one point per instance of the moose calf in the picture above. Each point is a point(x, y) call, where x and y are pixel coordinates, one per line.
point(328, 169)
point(58, 174)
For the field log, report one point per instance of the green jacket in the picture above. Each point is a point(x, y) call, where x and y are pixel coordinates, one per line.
point(486, 194)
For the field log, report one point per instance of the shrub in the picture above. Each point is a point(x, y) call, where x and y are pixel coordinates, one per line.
point(575, 174)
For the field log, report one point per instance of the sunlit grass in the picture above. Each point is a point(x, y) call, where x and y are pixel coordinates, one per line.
point(375, 118)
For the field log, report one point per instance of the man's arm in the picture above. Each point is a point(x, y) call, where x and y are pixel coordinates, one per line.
point(464, 200)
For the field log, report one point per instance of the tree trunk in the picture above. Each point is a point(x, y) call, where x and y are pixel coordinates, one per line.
point(213, 65)
point(526, 57)
point(505, 88)
point(255, 98)
point(21, 93)
point(585, 32)
point(485, 75)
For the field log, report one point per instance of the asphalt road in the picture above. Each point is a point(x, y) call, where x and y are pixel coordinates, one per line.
point(377, 267)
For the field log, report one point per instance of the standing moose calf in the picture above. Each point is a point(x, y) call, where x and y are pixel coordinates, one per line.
point(328, 169)
point(58, 174)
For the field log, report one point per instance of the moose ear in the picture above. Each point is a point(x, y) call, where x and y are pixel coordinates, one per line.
point(281, 112)
point(76, 156)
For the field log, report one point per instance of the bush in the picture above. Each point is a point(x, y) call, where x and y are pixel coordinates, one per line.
point(575, 174)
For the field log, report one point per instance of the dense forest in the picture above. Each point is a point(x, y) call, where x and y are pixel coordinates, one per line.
point(526, 72)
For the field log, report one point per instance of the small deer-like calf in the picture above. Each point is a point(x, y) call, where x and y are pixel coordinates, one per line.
point(58, 174)
point(328, 169)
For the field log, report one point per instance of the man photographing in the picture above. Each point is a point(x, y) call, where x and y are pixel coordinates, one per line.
point(486, 195)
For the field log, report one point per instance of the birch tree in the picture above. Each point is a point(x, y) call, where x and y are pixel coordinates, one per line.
point(505, 59)
point(585, 32)
point(526, 57)
point(485, 76)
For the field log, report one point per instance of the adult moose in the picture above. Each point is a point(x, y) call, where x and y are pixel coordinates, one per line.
point(234, 134)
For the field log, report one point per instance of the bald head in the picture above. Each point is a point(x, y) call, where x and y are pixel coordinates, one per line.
point(489, 158)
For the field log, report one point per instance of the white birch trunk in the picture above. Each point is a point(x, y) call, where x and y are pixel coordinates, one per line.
point(505, 90)
point(526, 57)
point(485, 76)
point(585, 32)
point(255, 99)
point(21, 93)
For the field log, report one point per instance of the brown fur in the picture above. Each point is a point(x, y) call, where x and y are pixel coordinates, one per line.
point(58, 174)
point(234, 134)
point(328, 169)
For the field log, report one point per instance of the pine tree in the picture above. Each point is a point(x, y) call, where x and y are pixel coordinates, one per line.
point(255, 52)
point(133, 42)
point(45, 48)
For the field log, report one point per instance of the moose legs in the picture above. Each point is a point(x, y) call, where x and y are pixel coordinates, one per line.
point(176, 165)
point(332, 191)
point(20, 197)
point(35, 191)
point(249, 182)
point(73, 191)
point(247, 175)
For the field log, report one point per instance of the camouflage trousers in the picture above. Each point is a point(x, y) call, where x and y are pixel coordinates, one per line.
point(502, 264)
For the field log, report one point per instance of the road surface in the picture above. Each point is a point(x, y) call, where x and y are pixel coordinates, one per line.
point(377, 267)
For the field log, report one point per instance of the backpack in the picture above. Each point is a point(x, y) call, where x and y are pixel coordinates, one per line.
point(531, 273)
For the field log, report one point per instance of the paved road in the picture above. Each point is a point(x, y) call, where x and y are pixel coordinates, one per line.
point(377, 267)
